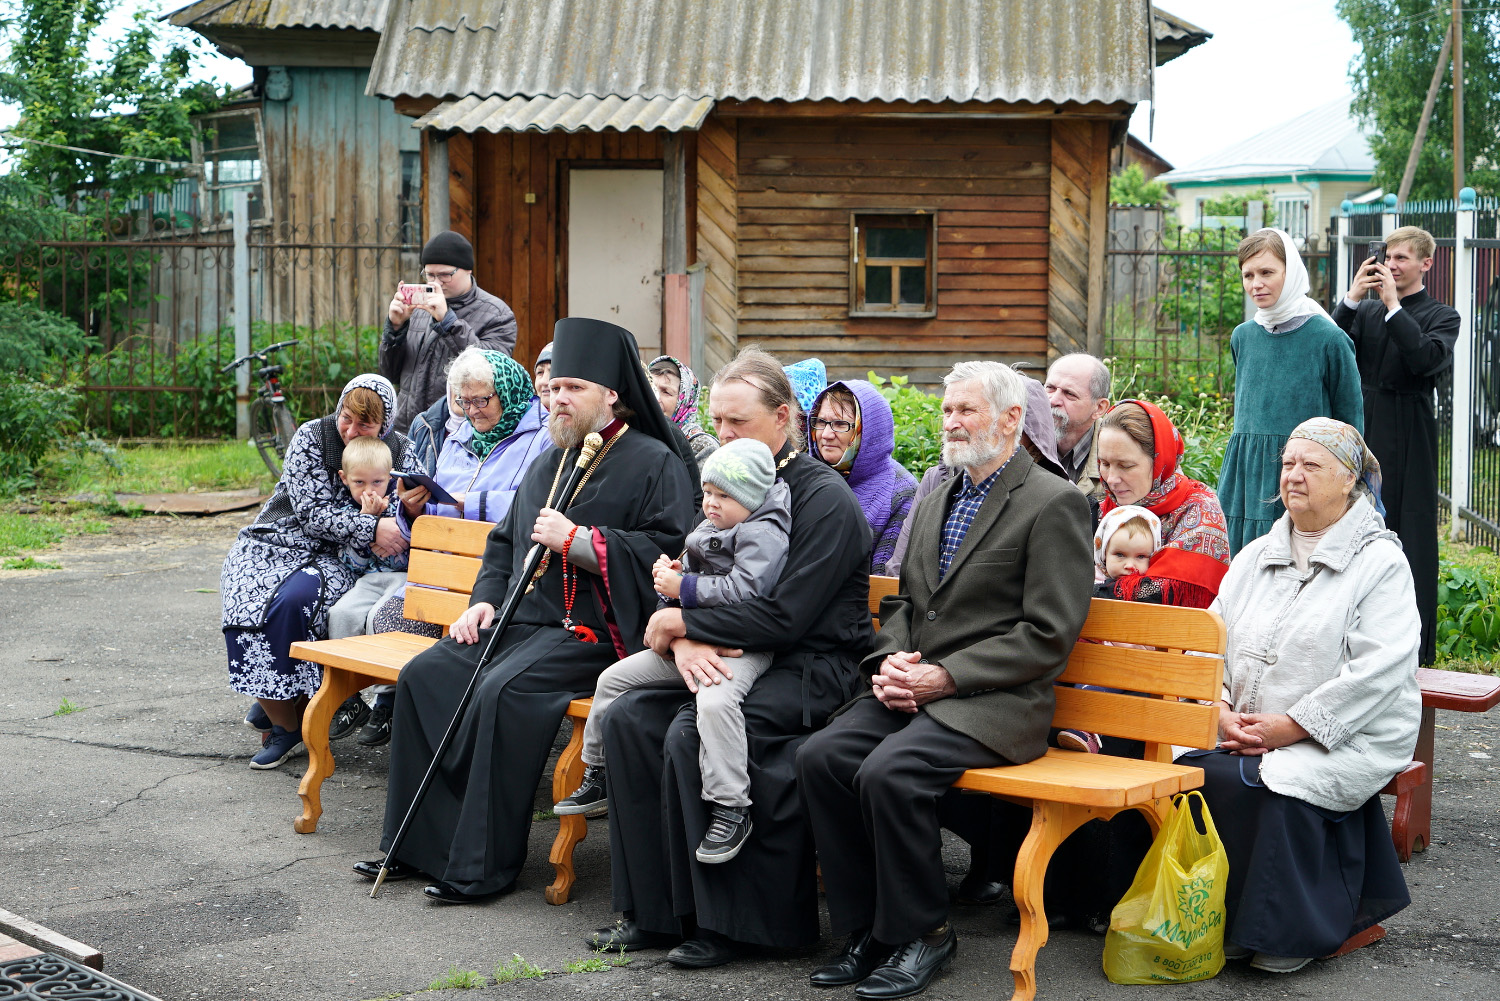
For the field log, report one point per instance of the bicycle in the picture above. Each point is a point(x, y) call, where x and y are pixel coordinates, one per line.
point(271, 423)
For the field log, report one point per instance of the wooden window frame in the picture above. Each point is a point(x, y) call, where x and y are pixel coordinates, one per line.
point(858, 307)
point(210, 219)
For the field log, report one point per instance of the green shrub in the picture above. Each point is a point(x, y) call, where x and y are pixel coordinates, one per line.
point(919, 423)
point(33, 339)
point(33, 418)
point(1468, 612)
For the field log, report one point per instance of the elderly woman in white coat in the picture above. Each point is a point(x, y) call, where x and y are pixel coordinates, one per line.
point(1321, 708)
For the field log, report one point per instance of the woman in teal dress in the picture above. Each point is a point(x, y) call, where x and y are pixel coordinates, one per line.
point(1291, 363)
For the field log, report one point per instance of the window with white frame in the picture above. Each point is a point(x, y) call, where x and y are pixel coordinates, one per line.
point(1293, 214)
point(229, 146)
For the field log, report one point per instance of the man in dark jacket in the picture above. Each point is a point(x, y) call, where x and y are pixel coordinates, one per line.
point(994, 590)
point(421, 340)
point(1403, 341)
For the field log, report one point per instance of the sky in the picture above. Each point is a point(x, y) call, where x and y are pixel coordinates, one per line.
point(1268, 62)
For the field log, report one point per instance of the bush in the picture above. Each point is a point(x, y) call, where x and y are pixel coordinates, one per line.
point(33, 339)
point(33, 418)
point(919, 423)
point(1468, 612)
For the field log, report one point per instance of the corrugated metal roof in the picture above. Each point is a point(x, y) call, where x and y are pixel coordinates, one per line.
point(567, 114)
point(846, 50)
point(1174, 36)
point(1326, 140)
point(366, 15)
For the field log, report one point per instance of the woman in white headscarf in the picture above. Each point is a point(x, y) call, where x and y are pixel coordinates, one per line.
point(1291, 363)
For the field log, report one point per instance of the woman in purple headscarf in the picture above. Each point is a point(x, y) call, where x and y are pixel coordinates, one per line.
point(851, 428)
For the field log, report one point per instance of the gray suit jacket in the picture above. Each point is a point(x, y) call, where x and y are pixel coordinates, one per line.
point(1006, 615)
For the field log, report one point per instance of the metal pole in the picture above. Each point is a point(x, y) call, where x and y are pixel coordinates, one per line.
point(1388, 217)
point(1462, 439)
point(1341, 283)
point(1458, 98)
point(241, 209)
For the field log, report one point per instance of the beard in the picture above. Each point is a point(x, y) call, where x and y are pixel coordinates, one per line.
point(581, 421)
point(962, 451)
point(1060, 420)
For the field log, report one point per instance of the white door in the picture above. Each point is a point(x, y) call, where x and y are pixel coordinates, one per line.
point(614, 250)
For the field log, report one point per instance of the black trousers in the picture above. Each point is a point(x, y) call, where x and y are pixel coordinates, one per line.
point(870, 782)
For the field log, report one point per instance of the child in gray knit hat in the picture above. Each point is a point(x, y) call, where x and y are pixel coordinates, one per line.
point(736, 553)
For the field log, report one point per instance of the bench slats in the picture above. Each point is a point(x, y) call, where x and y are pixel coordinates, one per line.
point(1154, 625)
point(440, 608)
point(382, 655)
point(455, 573)
point(1085, 779)
point(1153, 671)
point(451, 535)
point(1136, 717)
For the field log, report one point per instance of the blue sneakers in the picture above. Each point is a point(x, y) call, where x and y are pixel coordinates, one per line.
point(256, 718)
point(282, 744)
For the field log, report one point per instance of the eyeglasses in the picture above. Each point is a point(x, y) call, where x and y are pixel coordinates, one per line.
point(440, 276)
point(473, 402)
point(842, 427)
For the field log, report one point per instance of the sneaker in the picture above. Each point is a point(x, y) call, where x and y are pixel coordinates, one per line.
point(378, 730)
point(1279, 964)
point(348, 717)
point(281, 745)
point(256, 718)
point(591, 799)
point(1234, 952)
point(1078, 740)
point(727, 833)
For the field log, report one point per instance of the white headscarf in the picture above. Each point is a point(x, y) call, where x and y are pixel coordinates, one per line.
point(1294, 301)
point(1110, 524)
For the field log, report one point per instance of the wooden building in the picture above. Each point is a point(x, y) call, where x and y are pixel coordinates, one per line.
point(886, 184)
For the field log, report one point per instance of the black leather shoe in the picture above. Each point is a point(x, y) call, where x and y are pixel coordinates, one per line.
point(861, 955)
point(909, 970)
point(629, 936)
point(443, 893)
point(706, 949)
point(399, 870)
point(976, 891)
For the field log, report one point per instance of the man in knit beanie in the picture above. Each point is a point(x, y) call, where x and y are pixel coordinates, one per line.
point(736, 553)
point(421, 338)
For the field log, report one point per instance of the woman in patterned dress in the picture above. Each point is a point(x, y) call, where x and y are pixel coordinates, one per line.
point(284, 573)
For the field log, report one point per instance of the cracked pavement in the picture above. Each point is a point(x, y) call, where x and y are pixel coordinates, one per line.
point(136, 826)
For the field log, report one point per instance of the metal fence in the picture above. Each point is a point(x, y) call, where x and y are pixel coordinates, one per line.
point(1173, 297)
point(157, 303)
point(1465, 274)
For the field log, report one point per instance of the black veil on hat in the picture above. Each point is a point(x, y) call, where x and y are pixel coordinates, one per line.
point(602, 352)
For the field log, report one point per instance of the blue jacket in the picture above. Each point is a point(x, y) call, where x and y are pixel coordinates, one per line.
point(427, 433)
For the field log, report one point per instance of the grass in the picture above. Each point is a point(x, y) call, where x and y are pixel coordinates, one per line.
point(516, 968)
point(157, 468)
point(28, 563)
point(22, 532)
point(599, 962)
point(68, 708)
point(459, 979)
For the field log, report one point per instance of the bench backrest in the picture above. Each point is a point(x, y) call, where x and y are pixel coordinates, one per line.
point(1185, 662)
point(444, 561)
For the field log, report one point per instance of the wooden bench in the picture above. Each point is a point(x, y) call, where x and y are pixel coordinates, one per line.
point(444, 560)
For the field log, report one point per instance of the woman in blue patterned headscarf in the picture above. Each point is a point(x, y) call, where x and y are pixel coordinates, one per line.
point(677, 391)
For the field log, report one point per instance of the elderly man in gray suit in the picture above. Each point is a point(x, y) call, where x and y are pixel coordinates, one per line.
point(994, 591)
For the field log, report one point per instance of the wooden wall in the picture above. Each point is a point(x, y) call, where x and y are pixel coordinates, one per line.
point(1079, 208)
point(518, 245)
point(799, 181)
point(717, 216)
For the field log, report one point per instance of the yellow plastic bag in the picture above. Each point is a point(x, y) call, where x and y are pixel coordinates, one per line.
point(1169, 926)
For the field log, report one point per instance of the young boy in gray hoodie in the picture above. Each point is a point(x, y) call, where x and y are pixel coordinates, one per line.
point(736, 553)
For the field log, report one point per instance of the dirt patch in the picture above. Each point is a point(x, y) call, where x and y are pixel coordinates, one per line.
point(138, 544)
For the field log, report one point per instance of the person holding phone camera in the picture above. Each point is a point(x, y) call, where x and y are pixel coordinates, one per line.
point(425, 330)
point(1403, 340)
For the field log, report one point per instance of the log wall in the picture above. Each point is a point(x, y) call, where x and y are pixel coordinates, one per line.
point(717, 217)
point(1079, 205)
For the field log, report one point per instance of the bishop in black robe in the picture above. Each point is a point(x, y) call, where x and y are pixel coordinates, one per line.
point(470, 831)
point(1400, 360)
point(816, 621)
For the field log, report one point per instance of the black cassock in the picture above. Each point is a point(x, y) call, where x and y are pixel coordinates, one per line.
point(817, 622)
point(471, 828)
point(1399, 363)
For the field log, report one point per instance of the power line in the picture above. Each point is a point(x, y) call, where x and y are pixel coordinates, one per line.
point(11, 136)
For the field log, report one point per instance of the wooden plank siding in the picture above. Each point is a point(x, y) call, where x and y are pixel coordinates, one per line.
point(1075, 266)
point(799, 181)
point(519, 245)
point(717, 217)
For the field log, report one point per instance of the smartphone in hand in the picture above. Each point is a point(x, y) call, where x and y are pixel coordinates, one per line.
point(1375, 249)
point(416, 294)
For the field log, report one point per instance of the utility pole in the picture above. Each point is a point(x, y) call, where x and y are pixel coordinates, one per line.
point(1458, 97)
point(1421, 137)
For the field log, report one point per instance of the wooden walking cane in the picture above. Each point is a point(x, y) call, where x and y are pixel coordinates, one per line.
point(519, 588)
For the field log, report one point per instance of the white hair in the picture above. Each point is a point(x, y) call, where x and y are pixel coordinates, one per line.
point(470, 368)
point(1099, 377)
point(1002, 386)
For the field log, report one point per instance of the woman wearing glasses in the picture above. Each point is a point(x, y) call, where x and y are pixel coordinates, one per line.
point(851, 428)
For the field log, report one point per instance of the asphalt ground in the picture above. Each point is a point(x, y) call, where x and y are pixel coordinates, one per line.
point(136, 826)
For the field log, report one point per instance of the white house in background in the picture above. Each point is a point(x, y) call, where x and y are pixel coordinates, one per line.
point(1307, 166)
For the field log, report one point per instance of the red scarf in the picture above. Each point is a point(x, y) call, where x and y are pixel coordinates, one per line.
point(1195, 536)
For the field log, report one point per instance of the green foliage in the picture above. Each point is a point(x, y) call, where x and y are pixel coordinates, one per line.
point(460, 979)
point(1130, 187)
point(1202, 415)
point(33, 339)
point(1239, 205)
point(1399, 42)
point(67, 708)
point(1468, 612)
point(919, 423)
point(20, 532)
point(164, 467)
point(593, 964)
point(516, 968)
point(33, 418)
point(29, 563)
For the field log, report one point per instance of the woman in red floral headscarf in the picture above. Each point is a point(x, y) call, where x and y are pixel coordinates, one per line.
point(1139, 455)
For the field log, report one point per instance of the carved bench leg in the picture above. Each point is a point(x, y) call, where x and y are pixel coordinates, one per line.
point(338, 685)
point(1051, 823)
point(1418, 833)
point(1369, 936)
point(566, 777)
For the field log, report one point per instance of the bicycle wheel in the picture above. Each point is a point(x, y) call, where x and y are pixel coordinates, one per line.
point(271, 428)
